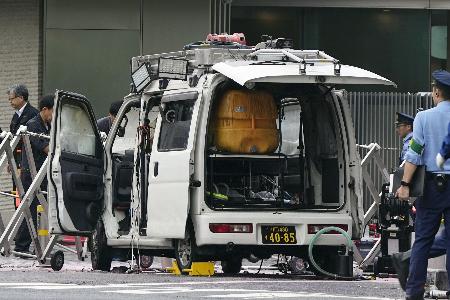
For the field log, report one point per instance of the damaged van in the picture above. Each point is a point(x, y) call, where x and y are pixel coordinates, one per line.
point(217, 154)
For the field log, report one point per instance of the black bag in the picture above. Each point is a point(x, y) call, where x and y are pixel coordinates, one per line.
point(417, 182)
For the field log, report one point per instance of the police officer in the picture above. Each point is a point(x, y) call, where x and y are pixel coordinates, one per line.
point(400, 261)
point(430, 128)
point(404, 128)
point(444, 153)
point(39, 146)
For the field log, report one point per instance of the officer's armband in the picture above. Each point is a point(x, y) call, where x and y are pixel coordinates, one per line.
point(416, 147)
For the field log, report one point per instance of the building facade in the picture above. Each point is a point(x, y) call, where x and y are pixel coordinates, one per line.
point(86, 45)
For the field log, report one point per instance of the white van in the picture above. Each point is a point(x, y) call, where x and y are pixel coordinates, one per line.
point(167, 187)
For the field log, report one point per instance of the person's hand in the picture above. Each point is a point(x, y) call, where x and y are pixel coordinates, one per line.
point(440, 161)
point(402, 193)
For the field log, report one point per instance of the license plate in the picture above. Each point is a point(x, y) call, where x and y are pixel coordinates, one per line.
point(278, 234)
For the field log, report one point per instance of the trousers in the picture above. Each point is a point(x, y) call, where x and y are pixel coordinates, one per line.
point(430, 209)
point(23, 237)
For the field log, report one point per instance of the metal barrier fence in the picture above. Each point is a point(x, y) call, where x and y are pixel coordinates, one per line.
point(374, 121)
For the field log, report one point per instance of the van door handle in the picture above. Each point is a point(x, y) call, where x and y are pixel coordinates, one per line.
point(195, 183)
point(155, 169)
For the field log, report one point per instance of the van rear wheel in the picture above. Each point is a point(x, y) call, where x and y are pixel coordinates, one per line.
point(186, 250)
point(231, 266)
point(100, 252)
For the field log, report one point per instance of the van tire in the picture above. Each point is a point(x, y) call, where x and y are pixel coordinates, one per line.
point(145, 261)
point(231, 266)
point(100, 252)
point(186, 249)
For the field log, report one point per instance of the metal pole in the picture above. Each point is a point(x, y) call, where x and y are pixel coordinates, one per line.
point(220, 17)
point(229, 18)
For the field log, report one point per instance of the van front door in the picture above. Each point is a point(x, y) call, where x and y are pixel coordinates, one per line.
point(75, 172)
point(172, 165)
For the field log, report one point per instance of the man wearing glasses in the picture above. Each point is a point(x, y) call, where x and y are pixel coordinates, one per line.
point(18, 98)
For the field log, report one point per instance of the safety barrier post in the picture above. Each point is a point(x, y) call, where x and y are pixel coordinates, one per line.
point(372, 154)
point(43, 243)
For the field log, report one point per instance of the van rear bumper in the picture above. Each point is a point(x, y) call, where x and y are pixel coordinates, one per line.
point(300, 221)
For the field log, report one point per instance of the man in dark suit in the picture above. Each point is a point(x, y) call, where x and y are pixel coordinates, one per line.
point(18, 98)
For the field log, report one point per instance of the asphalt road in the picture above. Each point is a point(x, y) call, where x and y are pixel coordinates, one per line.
point(24, 279)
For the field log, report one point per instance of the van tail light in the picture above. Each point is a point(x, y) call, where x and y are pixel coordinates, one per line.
point(315, 228)
point(230, 228)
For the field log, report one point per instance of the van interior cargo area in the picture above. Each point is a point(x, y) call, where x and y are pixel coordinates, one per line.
point(303, 172)
point(248, 180)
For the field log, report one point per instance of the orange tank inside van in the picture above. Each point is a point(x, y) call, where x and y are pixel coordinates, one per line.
point(246, 122)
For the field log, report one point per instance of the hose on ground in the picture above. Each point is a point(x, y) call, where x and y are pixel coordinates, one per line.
point(314, 240)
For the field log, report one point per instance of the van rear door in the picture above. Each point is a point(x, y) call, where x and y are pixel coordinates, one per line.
point(353, 176)
point(247, 72)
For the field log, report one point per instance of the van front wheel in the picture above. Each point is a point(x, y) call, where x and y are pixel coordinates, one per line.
point(186, 250)
point(100, 252)
point(231, 266)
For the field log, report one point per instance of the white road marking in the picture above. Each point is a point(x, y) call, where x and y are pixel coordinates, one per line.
point(176, 290)
point(155, 288)
point(244, 293)
point(283, 294)
point(32, 285)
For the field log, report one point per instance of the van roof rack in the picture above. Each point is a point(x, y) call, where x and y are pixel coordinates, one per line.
point(205, 58)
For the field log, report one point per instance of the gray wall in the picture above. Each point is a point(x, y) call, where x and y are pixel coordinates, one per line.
point(88, 44)
point(19, 63)
point(170, 25)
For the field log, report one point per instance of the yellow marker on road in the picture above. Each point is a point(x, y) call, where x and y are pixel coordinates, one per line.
point(201, 269)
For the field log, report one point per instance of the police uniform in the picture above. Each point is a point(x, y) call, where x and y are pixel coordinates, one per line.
point(445, 149)
point(36, 125)
point(430, 128)
point(404, 119)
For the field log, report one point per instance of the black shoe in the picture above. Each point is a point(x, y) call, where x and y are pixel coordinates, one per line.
point(400, 262)
point(22, 251)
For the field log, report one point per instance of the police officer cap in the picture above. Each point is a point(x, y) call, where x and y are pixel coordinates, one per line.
point(404, 119)
point(442, 77)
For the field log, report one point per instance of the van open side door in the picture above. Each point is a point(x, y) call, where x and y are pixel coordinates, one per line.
point(75, 172)
point(172, 165)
